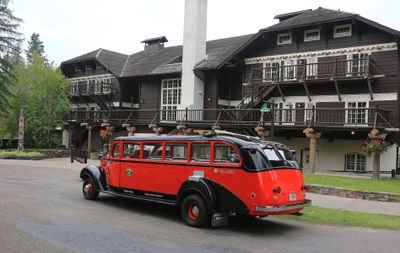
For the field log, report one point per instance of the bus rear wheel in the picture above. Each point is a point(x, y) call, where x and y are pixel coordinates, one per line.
point(194, 211)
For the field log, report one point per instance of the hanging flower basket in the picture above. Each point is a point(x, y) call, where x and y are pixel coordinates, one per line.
point(105, 135)
point(376, 146)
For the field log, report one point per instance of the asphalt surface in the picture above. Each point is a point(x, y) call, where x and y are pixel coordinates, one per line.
point(42, 210)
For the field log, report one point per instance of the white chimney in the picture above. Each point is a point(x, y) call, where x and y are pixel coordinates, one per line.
point(194, 51)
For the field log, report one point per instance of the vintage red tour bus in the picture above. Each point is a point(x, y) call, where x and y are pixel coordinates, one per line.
point(208, 177)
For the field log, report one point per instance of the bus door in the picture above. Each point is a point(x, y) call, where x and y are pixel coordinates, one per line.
point(130, 166)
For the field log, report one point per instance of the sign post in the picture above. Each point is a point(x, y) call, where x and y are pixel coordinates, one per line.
point(21, 126)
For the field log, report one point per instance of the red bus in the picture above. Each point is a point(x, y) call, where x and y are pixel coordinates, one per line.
point(208, 177)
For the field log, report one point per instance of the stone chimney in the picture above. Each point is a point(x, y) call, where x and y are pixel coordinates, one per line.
point(154, 44)
point(194, 51)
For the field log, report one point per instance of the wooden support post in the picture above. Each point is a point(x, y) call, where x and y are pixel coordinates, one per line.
point(369, 82)
point(337, 90)
point(89, 148)
point(313, 136)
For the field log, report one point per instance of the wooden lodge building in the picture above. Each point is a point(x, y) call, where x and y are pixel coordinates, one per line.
point(333, 71)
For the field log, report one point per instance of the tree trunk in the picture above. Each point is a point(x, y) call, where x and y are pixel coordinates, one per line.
point(376, 165)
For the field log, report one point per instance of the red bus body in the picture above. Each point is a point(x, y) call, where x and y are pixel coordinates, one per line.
point(240, 173)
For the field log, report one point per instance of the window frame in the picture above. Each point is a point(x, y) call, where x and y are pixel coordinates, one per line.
point(149, 142)
point(200, 162)
point(283, 35)
point(312, 38)
point(134, 143)
point(226, 164)
point(177, 161)
point(113, 149)
point(356, 158)
point(342, 34)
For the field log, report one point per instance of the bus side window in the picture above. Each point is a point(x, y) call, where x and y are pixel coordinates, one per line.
point(176, 151)
point(115, 153)
point(224, 153)
point(200, 152)
point(131, 151)
point(152, 151)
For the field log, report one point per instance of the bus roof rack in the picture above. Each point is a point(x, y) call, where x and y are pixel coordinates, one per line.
point(240, 136)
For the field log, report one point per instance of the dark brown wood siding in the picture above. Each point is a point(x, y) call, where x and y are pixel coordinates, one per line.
point(330, 115)
point(389, 111)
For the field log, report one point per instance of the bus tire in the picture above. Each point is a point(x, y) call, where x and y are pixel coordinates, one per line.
point(194, 211)
point(89, 189)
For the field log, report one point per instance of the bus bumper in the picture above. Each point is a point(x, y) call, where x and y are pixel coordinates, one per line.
point(283, 208)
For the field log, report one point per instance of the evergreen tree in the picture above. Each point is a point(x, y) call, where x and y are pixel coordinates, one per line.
point(35, 45)
point(9, 38)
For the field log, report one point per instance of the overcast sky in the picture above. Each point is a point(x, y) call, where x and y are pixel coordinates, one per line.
point(70, 28)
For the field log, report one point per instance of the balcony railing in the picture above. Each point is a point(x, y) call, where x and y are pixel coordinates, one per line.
point(84, 89)
point(317, 117)
point(332, 70)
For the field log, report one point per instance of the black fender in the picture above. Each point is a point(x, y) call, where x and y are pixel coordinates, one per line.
point(202, 188)
point(227, 200)
point(216, 196)
point(96, 174)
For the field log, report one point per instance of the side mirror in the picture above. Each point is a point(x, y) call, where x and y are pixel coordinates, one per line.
point(234, 158)
point(293, 151)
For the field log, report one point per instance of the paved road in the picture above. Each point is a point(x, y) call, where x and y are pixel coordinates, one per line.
point(42, 210)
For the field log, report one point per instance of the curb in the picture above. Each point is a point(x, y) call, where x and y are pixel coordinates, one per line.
point(351, 193)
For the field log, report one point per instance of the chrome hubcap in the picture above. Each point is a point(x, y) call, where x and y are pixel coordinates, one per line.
point(195, 211)
point(88, 188)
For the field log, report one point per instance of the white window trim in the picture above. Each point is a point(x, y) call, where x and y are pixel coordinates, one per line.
point(346, 116)
point(343, 34)
point(312, 38)
point(355, 154)
point(282, 35)
point(179, 100)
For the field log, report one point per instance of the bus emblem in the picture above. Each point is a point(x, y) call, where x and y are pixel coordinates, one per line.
point(129, 172)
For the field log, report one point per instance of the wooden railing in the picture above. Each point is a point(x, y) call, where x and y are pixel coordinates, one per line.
point(332, 70)
point(322, 117)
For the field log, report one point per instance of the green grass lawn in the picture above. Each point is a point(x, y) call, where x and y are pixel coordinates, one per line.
point(342, 217)
point(19, 154)
point(366, 184)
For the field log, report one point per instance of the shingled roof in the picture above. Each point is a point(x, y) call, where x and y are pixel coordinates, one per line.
point(323, 15)
point(310, 17)
point(112, 61)
point(162, 61)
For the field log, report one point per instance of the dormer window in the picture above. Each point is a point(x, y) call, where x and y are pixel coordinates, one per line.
point(284, 38)
point(311, 35)
point(77, 68)
point(342, 31)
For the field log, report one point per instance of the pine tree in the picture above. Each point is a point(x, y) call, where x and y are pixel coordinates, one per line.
point(35, 45)
point(9, 39)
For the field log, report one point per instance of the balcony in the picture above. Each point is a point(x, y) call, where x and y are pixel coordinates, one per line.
point(337, 70)
point(84, 89)
point(333, 118)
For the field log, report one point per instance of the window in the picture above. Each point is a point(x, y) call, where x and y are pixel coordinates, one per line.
point(356, 112)
point(224, 153)
point(152, 151)
point(284, 38)
point(115, 153)
point(271, 71)
point(311, 35)
point(200, 152)
point(342, 31)
point(171, 93)
point(131, 151)
point(358, 64)
point(355, 162)
point(176, 151)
